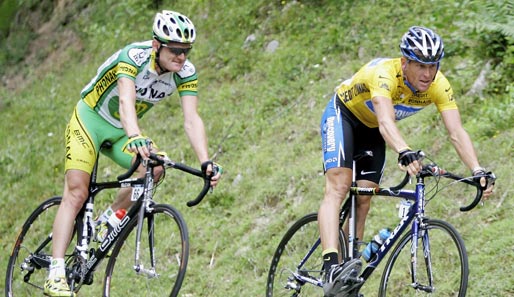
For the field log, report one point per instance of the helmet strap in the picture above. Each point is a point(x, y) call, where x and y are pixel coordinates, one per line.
point(407, 83)
point(157, 58)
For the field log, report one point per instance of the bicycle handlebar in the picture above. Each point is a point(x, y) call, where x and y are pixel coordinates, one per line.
point(164, 161)
point(406, 179)
point(432, 170)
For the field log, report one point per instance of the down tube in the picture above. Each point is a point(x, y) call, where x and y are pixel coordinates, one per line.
point(389, 243)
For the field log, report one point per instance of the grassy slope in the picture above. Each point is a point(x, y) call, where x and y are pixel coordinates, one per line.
point(262, 112)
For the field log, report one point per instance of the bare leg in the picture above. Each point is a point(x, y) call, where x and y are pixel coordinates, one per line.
point(337, 184)
point(75, 193)
point(362, 209)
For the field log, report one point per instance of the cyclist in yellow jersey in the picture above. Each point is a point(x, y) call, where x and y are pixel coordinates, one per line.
point(362, 116)
point(126, 86)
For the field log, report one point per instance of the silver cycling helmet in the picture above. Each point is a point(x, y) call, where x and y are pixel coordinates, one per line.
point(422, 45)
point(171, 26)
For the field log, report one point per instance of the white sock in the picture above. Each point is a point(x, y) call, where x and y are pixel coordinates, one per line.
point(57, 268)
point(105, 215)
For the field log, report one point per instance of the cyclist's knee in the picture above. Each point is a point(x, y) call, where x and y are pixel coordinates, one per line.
point(158, 172)
point(364, 203)
point(334, 197)
point(336, 193)
point(76, 188)
point(75, 197)
point(338, 182)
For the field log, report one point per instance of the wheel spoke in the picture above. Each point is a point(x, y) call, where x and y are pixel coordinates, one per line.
point(170, 252)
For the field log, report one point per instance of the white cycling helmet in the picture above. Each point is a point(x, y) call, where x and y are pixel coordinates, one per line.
point(173, 26)
point(422, 45)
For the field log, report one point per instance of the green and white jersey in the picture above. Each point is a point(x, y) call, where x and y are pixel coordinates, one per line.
point(137, 62)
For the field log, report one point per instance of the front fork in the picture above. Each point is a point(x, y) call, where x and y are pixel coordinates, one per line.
point(146, 210)
point(419, 231)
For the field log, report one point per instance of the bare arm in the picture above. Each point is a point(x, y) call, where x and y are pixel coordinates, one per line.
point(389, 131)
point(128, 115)
point(194, 127)
point(463, 145)
point(460, 138)
point(195, 131)
point(127, 107)
point(387, 123)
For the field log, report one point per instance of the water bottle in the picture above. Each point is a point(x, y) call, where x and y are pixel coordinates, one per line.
point(115, 219)
point(112, 222)
point(373, 246)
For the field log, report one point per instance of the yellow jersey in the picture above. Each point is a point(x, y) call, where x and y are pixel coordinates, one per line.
point(384, 77)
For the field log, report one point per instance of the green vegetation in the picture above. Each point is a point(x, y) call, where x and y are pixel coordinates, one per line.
point(262, 110)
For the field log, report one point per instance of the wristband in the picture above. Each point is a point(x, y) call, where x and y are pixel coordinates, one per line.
point(477, 169)
point(404, 149)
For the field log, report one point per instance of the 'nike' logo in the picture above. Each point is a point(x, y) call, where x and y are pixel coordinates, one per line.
point(367, 172)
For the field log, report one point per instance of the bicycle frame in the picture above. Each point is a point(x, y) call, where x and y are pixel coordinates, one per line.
point(84, 220)
point(415, 215)
point(137, 211)
point(31, 256)
point(416, 210)
point(414, 218)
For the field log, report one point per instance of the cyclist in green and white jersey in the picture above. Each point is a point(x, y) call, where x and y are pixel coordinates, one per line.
point(125, 87)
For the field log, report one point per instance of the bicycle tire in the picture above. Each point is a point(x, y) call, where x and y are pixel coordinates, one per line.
point(293, 247)
point(171, 248)
point(448, 262)
point(25, 260)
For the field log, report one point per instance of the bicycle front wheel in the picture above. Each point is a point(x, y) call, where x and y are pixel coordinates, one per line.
point(30, 258)
point(297, 265)
point(441, 264)
point(163, 256)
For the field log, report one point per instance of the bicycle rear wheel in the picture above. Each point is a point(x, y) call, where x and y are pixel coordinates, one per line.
point(287, 265)
point(444, 258)
point(165, 234)
point(30, 258)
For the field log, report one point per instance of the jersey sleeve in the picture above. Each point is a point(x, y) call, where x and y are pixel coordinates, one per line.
point(382, 82)
point(187, 80)
point(443, 93)
point(130, 61)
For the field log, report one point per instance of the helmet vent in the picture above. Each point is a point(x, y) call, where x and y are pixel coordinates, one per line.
point(171, 26)
point(422, 45)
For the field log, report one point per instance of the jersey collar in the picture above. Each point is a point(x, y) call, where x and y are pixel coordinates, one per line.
point(153, 63)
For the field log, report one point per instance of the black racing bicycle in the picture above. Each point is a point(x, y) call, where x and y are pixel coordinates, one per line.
point(154, 235)
point(429, 258)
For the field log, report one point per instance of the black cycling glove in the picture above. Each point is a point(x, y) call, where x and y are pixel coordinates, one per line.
point(406, 157)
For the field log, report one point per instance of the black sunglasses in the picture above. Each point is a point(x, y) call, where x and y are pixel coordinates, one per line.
point(178, 50)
